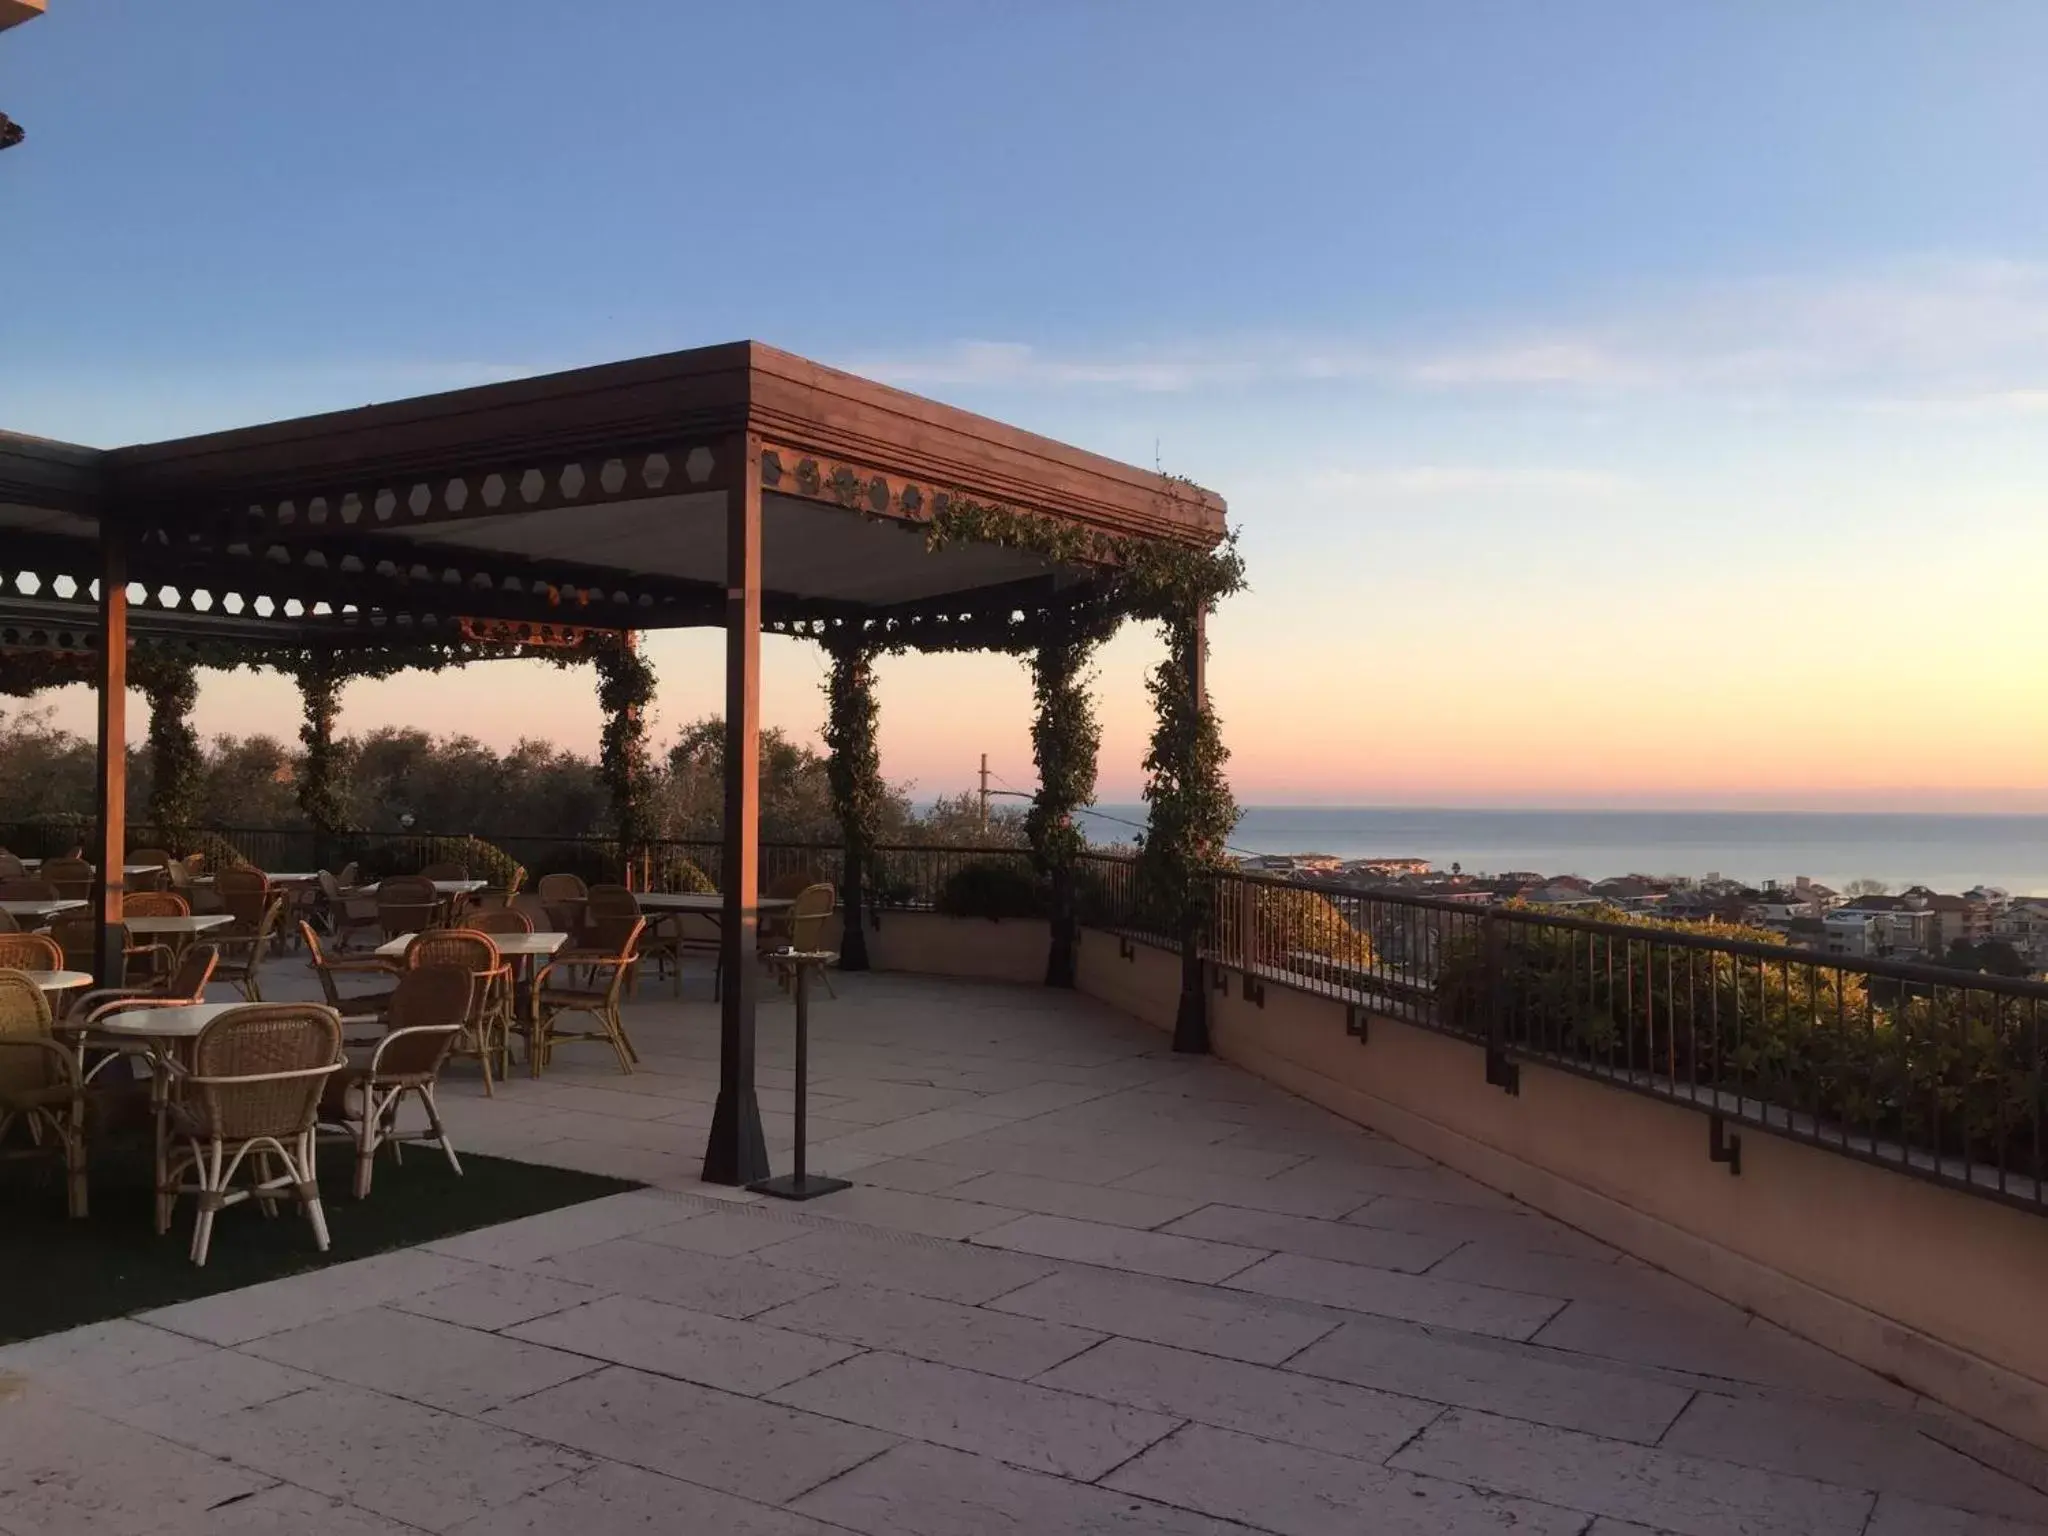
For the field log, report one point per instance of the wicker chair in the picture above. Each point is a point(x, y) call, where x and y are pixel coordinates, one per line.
point(7, 922)
point(773, 932)
point(161, 879)
point(554, 994)
point(807, 918)
point(27, 888)
point(245, 896)
point(184, 986)
point(155, 904)
point(346, 911)
point(359, 1008)
point(242, 955)
point(407, 904)
point(499, 920)
point(564, 896)
point(487, 1023)
point(11, 867)
point(41, 1087)
point(30, 952)
point(251, 1095)
point(77, 935)
point(73, 878)
point(607, 915)
point(429, 1012)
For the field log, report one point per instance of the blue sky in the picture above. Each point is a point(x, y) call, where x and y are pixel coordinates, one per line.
point(1621, 404)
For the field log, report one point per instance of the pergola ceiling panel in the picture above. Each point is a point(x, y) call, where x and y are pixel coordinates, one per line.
point(809, 550)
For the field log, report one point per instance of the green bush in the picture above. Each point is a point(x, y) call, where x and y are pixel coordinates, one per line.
point(598, 863)
point(993, 888)
point(216, 850)
point(408, 856)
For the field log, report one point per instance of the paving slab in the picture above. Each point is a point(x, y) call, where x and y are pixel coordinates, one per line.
point(1028, 1426)
point(1146, 1253)
point(1886, 1455)
point(900, 1262)
point(1662, 1489)
point(1377, 1247)
point(739, 1445)
point(730, 1287)
point(902, 1210)
point(1297, 1492)
point(497, 1298)
point(675, 1341)
point(1236, 1327)
point(1416, 1298)
point(612, 1499)
point(1083, 1202)
point(1259, 1400)
point(1558, 1389)
point(234, 1317)
point(974, 1338)
point(421, 1359)
point(927, 1490)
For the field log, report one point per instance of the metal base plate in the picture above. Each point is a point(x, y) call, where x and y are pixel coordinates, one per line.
point(787, 1186)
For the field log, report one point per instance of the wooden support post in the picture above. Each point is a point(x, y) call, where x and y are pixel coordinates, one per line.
point(737, 1153)
point(111, 800)
point(1191, 1018)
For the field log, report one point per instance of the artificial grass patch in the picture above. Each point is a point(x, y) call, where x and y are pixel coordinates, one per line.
point(62, 1273)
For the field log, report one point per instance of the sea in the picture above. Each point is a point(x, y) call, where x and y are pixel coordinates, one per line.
point(1947, 852)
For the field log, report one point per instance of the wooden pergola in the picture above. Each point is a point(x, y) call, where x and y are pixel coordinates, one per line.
point(734, 485)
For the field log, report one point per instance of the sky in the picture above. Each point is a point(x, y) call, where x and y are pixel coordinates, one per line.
point(1620, 405)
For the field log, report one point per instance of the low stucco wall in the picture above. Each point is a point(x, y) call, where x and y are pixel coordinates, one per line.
point(1941, 1291)
point(981, 948)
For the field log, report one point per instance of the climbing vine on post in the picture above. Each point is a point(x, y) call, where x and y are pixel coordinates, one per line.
point(625, 687)
point(322, 798)
point(1066, 740)
point(1177, 586)
point(171, 685)
point(854, 771)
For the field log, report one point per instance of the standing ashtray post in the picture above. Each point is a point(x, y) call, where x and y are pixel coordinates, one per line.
point(797, 965)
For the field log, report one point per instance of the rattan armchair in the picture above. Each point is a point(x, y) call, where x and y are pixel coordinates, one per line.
point(564, 896)
point(807, 918)
point(250, 1097)
point(488, 1019)
point(245, 896)
point(7, 922)
point(42, 1091)
point(429, 1012)
point(145, 965)
point(555, 993)
point(27, 888)
point(11, 867)
point(346, 911)
point(160, 880)
point(30, 952)
point(356, 1008)
point(407, 904)
point(242, 955)
point(185, 985)
point(155, 904)
point(72, 878)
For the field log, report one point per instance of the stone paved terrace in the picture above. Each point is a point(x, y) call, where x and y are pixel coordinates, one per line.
point(1082, 1285)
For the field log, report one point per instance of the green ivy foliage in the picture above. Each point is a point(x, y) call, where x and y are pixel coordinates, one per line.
point(625, 687)
point(171, 684)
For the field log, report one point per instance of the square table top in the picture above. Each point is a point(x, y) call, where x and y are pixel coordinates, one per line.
point(441, 887)
point(508, 944)
point(160, 927)
point(41, 906)
point(702, 901)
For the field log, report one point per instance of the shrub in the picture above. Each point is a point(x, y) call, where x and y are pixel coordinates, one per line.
point(215, 851)
point(598, 863)
point(484, 861)
point(993, 888)
point(1291, 923)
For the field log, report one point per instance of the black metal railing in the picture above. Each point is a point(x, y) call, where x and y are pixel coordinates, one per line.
point(1937, 1072)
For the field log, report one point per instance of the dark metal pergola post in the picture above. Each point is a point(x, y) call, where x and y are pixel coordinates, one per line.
point(111, 799)
point(737, 1153)
point(1191, 1017)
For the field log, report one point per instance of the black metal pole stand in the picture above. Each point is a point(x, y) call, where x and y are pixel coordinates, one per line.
point(800, 1184)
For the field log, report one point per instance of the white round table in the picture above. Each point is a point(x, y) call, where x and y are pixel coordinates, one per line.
point(183, 1022)
point(59, 981)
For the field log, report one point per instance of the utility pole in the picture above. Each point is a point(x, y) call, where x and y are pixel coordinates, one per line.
point(984, 794)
